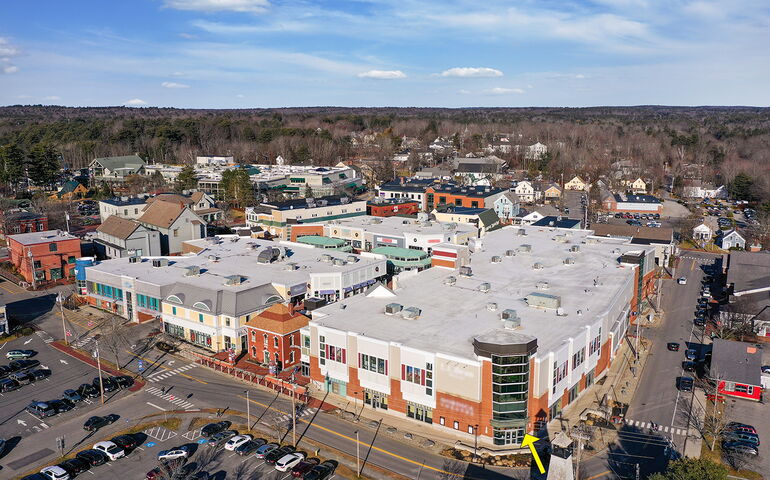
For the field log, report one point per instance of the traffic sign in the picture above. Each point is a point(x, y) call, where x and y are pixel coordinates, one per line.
point(141, 365)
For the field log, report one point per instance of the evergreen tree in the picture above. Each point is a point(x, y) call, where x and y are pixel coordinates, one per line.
point(44, 165)
point(12, 164)
point(237, 187)
point(742, 187)
point(186, 179)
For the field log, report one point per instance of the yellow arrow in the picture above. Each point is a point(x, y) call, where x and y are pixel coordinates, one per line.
point(529, 441)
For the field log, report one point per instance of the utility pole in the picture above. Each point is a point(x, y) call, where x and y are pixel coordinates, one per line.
point(32, 267)
point(293, 418)
point(248, 411)
point(475, 441)
point(358, 457)
point(99, 367)
point(60, 299)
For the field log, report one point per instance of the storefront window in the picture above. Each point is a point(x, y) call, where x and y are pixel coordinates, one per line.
point(419, 412)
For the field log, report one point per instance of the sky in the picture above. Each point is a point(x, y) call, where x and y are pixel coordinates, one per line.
point(422, 53)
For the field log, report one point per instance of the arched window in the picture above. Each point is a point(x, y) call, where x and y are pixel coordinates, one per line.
point(174, 299)
point(202, 306)
point(273, 299)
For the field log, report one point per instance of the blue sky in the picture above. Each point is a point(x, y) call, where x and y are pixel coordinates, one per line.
point(452, 53)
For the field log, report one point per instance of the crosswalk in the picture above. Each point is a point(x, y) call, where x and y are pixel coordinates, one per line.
point(661, 428)
point(44, 336)
point(171, 398)
point(697, 259)
point(81, 342)
point(161, 374)
point(304, 413)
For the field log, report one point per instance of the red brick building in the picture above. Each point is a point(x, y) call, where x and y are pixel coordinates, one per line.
point(48, 255)
point(274, 337)
point(23, 222)
point(459, 196)
point(392, 207)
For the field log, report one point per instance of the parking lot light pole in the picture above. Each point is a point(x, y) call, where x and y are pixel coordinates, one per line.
point(60, 300)
point(99, 367)
point(248, 411)
point(358, 457)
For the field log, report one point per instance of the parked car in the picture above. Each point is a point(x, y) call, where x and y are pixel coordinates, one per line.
point(303, 467)
point(22, 378)
point(75, 466)
point(123, 381)
point(672, 346)
point(61, 405)
point(265, 449)
point(8, 385)
point(685, 384)
point(688, 366)
point(96, 422)
point(55, 472)
point(212, 428)
point(249, 447)
point(40, 374)
point(126, 442)
point(165, 347)
point(107, 384)
point(737, 425)
point(94, 457)
point(24, 364)
point(112, 451)
point(14, 354)
point(72, 396)
point(699, 322)
point(737, 446)
point(237, 441)
point(173, 454)
point(221, 438)
point(287, 462)
point(691, 354)
point(734, 435)
point(321, 472)
point(41, 409)
point(86, 390)
point(681, 280)
point(278, 453)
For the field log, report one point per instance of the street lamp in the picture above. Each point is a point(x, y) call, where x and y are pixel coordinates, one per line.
point(248, 411)
point(358, 457)
point(60, 300)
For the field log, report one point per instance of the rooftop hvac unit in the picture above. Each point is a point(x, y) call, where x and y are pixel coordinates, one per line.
point(466, 271)
point(542, 285)
point(521, 232)
point(450, 280)
point(291, 266)
point(512, 324)
point(497, 259)
point(338, 262)
point(376, 221)
point(352, 258)
point(525, 248)
point(543, 300)
point(537, 266)
point(160, 262)
point(569, 261)
point(326, 258)
point(561, 238)
point(192, 271)
point(393, 308)
point(485, 287)
point(233, 280)
point(212, 239)
point(410, 313)
point(510, 253)
point(213, 258)
point(133, 259)
point(491, 306)
point(509, 314)
point(574, 248)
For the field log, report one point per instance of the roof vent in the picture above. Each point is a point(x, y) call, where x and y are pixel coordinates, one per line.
point(510, 253)
point(466, 271)
point(537, 266)
point(491, 306)
point(497, 259)
point(338, 262)
point(561, 238)
point(213, 258)
point(233, 280)
point(192, 271)
point(485, 287)
point(525, 248)
point(133, 259)
point(450, 280)
point(352, 258)
point(569, 261)
point(411, 313)
point(542, 285)
point(521, 232)
point(574, 248)
point(326, 258)
point(508, 314)
point(393, 308)
point(160, 262)
point(291, 266)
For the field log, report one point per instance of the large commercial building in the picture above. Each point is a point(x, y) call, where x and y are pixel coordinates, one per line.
point(279, 218)
point(207, 296)
point(495, 348)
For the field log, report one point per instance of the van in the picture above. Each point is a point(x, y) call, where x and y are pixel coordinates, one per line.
point(41, 409)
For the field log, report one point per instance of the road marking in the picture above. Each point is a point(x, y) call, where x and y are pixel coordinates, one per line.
point(150, 363)
point(599, 475)
point(153, 405)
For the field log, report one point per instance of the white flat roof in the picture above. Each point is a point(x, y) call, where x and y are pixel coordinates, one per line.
point(397, 226)
point(234, 258)
point(451, 316)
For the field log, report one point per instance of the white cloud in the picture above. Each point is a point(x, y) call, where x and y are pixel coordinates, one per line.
point(7, 51)
point(174, 85)
point(502, 91)
point(471, 72)
point(134, 102)
point(188, 36)
point(52, 98)
point(240, 95)
point(382, 74)
point(9, 69)
point(248, 6)
point(177, 74)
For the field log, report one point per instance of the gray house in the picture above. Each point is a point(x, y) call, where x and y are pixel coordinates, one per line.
point(731, 239)
point(116, 169)
point(120, 237)
point(176, 223)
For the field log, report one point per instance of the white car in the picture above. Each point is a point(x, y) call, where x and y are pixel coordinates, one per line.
point(173, 454)
point(237, 441)
point(682, 281)
point(287, 462)
point(55, 473)
point(108, 448)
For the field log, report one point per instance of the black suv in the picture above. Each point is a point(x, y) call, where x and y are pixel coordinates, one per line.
point(123, 381)
point(94, 457)
point(213, 428)
point(107, 382)
point(96, 422)
point(88, 390)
